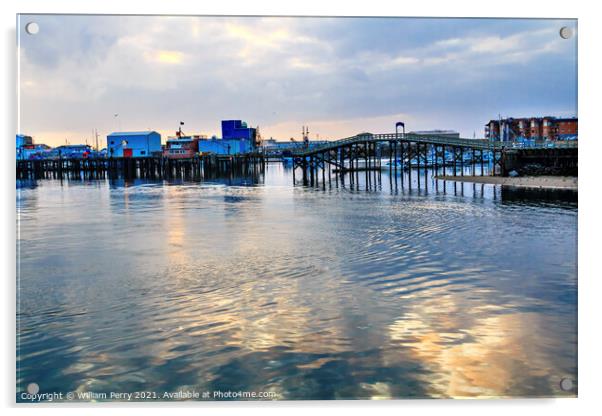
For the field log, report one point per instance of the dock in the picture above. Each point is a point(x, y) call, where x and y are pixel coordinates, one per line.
point(154, 167)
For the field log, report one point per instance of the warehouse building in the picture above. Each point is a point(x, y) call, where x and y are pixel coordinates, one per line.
point(237, 138)
point(134, 144)
point(238, 130)
point(225, 146)
point(23, 140)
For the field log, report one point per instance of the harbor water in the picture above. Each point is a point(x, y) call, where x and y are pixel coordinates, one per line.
point(382, 287)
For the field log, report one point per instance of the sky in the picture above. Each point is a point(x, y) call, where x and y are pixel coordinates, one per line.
point(339, 76)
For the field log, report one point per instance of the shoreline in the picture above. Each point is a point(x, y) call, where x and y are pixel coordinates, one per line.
point(537, 182)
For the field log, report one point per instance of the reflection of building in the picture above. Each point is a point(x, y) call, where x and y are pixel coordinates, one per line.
point(534, 128)
point(133, 144)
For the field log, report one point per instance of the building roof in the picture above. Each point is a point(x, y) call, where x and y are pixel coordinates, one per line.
point(434, 132)
point(132, 133)
point(76, 146)
point(181, 139)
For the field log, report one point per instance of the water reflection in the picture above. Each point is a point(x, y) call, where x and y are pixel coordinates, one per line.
point(447, 290)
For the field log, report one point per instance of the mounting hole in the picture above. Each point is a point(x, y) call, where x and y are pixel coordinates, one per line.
point(566, 384)
point(566, 32)
point(32, 28)
point(33, 388)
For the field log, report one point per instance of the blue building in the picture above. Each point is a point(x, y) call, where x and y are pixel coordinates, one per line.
point(225, 146)
point(237, 138)
point(23, 140)
point(71, 151)
point(237, 129)
point(133, 144)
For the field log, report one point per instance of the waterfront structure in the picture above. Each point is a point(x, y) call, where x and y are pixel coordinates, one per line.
point(71, 151)
point(182, 147)
point(33, 151)
point(532, 128)
point(283, 148)
point(238, 129)
point(363, 152)
point(133, 144)
point(24, 140)
point(443, 133)
point(236, 138)
point(153, 167)
point(273, 144)
point(225, 146)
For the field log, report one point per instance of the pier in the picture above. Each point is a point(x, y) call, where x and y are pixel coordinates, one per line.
point(366, 151)
point(158, 167)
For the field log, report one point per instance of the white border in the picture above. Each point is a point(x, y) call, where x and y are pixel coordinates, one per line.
point(590, 97)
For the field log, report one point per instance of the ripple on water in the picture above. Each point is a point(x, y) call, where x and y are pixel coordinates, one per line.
point(336, 294)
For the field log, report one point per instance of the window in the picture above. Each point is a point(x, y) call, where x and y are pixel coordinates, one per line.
point(143, 152)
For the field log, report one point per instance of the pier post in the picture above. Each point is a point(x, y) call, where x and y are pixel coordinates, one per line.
point(473, 163)
point(409, 156)
point(323, 169)
point(426, 160)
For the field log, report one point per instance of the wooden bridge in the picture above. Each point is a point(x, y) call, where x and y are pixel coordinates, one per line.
point(366, 151)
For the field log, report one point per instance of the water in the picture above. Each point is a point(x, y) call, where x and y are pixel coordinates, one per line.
point(374, 289)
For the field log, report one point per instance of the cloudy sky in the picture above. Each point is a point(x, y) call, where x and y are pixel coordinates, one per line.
point(340, 76)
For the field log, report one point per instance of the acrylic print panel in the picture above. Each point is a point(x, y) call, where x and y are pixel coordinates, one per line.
point(249, 208)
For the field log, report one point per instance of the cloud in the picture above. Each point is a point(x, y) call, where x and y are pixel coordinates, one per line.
point(165, 57)
point(280, 73)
